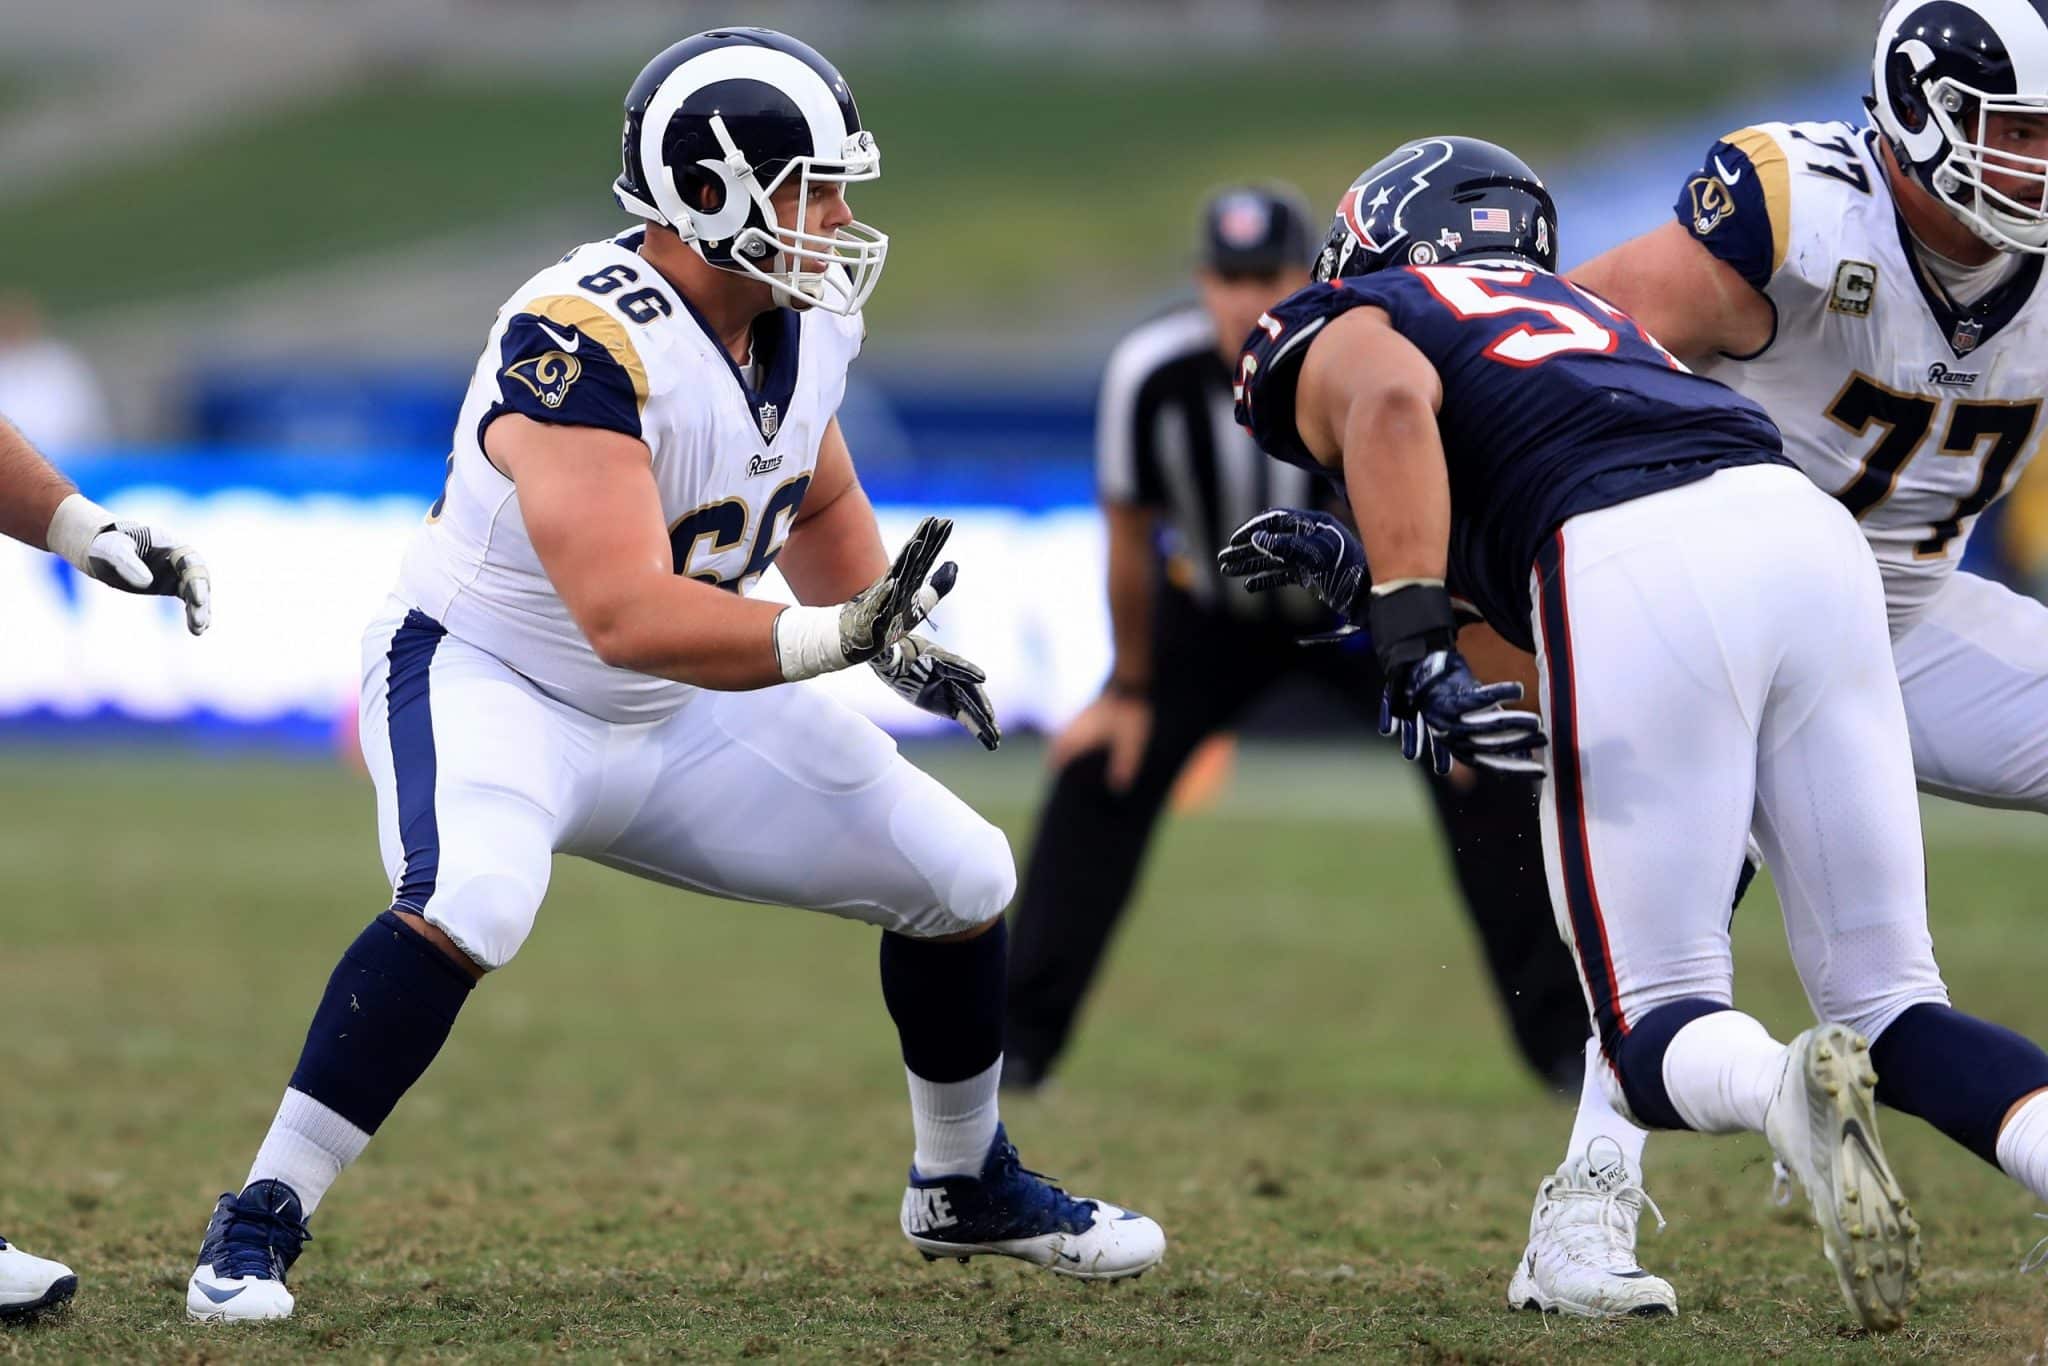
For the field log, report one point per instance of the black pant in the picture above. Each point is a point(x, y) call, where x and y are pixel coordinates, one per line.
point(1208, 667)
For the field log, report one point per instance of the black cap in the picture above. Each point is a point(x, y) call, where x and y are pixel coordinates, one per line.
point(1256, 229)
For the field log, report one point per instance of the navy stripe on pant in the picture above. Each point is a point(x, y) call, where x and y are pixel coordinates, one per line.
point(1582, 899)
point(410, 716)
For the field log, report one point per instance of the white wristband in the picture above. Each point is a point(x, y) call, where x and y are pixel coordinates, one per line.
point(807, 642)
point(73, 528)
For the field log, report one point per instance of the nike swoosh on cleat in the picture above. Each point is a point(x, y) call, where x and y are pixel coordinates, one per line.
point(568, 344)
point(1726, 178)
point(219, 1296)
point(1073, 1257)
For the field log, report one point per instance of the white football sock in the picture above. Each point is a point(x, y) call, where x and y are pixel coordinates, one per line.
point(1721, 1072)
point(306, 1148)
point(2023, 1145)
point(1597, 1118)
point(955, 1121)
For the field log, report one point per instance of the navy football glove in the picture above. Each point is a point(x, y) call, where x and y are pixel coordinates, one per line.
point(940, 682)
point(1431, 695)
point(1439, 707)
point(1283, 546)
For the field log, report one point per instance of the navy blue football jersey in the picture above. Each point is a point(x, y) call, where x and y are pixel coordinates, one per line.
point(1554, 404)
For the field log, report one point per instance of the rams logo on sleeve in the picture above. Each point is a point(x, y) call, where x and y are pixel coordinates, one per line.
point(564, 360)
point(548, 375)
point(1713, 204)
point(1738, 205)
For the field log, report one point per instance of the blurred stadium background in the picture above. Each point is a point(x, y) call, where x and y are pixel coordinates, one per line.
point(248, 249)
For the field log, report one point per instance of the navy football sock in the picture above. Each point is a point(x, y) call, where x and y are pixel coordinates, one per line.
point(947, 1001)
point(1959, 1073)
point(387, 1010)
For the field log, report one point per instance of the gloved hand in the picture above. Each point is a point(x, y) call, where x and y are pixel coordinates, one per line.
point(132, 557)
point(1440, 708)
point(1283, 546)
point(936, 680)
point(1431, 696)
point(819, 640)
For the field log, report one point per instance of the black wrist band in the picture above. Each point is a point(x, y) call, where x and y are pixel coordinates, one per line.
point(1409, 623)
point(1124, 687)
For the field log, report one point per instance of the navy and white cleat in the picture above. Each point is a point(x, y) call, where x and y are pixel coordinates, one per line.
point(250, 1246)
point(1008, 1211)
point(29, 1285)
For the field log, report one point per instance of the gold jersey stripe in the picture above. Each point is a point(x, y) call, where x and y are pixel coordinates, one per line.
point(573, 310)
point(1774, 177)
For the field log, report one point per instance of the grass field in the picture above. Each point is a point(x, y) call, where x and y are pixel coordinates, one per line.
point(677, 1128)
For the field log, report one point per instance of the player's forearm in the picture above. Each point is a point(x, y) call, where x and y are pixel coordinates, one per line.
point(1133, 575)
point(834, 551)
point(690, 632)
point(1399, 486)
point(30, 489)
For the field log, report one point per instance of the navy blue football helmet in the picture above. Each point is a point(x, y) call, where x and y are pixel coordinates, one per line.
point(1439, 200)
point(720, 121)
point(1943, 69)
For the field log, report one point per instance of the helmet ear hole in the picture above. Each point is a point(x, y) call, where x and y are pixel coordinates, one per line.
point(1907, 100)
point(701, 190)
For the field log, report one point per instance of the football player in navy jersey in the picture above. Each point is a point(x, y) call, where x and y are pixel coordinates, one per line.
point(1711, 644)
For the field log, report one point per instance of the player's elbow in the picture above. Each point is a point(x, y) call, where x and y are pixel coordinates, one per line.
point(1395, 415)
point(615, 635)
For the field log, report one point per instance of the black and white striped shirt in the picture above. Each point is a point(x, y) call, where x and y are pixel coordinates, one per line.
point(1165, 438)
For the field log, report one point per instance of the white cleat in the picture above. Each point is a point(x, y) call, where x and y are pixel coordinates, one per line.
point(1581, 1257)
point(1823, 1125)
point(31, 1284)
point(235, 1299)
point(250, 1245)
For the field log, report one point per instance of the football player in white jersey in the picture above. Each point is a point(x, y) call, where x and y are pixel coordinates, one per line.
point(571, 662)
point(40, 508)
point(1878, 290)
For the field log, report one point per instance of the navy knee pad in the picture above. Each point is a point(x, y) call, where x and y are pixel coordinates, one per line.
point(1638, 1059)
point(387, 1010)
point(1959, 1073)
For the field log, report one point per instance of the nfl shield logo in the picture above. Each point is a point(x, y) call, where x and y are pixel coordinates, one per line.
point(1968, 333)
point(771, 422)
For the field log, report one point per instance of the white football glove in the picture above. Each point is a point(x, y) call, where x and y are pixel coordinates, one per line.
point(810, 641)
point(131, 557)
point(936, 680)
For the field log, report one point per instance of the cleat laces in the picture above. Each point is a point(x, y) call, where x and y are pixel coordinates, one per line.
point(258, 1241)
point(1010, 1172)
point(1605, 1234)
point(2038, 1258)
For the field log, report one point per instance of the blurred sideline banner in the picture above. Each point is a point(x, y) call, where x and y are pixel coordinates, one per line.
point(303, 550)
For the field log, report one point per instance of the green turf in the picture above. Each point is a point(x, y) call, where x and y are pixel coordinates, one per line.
point(1012, 190)
point(676, 1128)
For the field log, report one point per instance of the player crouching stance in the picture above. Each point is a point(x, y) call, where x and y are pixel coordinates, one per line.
point(571, 663)
point(1711, 637)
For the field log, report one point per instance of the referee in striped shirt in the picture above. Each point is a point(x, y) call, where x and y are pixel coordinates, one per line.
point(1176, 475)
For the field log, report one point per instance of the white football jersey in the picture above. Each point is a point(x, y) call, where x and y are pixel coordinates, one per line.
point(1913, 410)
point(600, 339)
